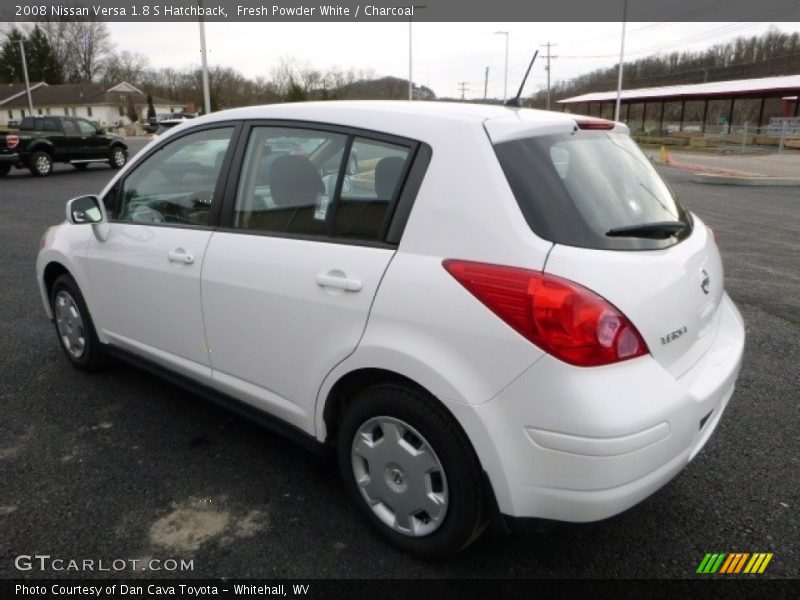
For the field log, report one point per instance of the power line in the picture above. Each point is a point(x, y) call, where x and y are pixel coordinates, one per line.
point(679, 20)
point(462, 86)
point(699, 37)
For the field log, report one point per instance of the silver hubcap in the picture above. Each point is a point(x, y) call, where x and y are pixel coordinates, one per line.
point(399, 476)
point(70, 324)
point(42, 164)
point(119, 158)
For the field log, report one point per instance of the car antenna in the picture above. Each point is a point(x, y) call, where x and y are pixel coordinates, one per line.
point(515, 100)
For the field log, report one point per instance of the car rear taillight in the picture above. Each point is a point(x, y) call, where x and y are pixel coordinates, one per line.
point(595, 124)
point(561, 317)
point(12, 141)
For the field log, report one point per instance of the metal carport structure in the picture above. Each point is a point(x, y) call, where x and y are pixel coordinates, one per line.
point(733, 90)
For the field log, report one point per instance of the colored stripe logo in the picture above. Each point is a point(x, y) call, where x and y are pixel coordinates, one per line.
point(733, 563)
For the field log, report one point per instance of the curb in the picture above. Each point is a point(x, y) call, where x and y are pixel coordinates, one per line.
point(759, 180)
point(716, 176)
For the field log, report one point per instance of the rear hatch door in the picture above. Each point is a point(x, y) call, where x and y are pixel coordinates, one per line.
point(618, 230)
point(672, 295)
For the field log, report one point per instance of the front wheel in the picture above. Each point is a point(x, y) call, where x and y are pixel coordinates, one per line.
point(117, 158)
point(409, 466)
point(41, 164)
point(74, 325)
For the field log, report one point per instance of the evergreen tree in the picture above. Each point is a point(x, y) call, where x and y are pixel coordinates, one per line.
point(11, 59)
point(42, 62)
point(39, 57)
point(131, 111)
point(295, 92)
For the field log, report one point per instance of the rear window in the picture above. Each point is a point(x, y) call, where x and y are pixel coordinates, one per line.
point(575, 188)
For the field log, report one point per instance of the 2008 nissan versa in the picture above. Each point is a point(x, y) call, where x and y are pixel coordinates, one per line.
point(497, 309)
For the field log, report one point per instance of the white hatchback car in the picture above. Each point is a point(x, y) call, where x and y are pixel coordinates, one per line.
point(500, 310)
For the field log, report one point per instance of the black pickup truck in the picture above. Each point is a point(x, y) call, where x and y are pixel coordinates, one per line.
point(44, 140)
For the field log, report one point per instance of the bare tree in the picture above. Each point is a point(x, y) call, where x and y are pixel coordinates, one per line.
point(124, 66)
point(284, 73)
point(289, 80)
point(87, 48)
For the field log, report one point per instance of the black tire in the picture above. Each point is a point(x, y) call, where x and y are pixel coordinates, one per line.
point(40, 164)
point(5, 169)
point(466, 514)
point(80, 166)
point(93, 355)
point(117, 157)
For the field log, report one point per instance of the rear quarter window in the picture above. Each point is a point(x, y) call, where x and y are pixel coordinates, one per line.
point(574, 188)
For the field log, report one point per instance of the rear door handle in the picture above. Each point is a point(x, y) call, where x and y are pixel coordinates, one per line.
point(179, 255)
point(339, 282)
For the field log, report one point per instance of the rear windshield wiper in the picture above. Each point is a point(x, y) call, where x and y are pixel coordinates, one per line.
point(658, 231)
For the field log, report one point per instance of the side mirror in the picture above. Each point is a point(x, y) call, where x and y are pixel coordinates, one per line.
point(85, 210)
point(101, 131)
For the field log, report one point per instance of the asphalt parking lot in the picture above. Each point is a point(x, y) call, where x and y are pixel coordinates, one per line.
point(120, 464)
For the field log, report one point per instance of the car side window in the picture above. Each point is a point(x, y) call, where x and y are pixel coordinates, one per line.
point(175, 185)
point(86, 127)
point(288, 180)
point(374, 175)
point(69, 127)
point(50, 124)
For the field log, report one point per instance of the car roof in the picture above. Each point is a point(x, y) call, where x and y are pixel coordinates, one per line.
point(345, 109)
point(431, 122)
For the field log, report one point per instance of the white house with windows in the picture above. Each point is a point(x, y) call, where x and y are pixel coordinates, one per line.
point(94, 101)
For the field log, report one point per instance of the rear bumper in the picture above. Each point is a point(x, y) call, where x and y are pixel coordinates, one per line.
point(578, 444)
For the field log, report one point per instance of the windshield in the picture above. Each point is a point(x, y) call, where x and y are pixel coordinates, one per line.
point(575, 188)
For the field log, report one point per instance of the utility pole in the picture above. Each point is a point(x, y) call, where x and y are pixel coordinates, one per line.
point(548, 45)
point(462, 86)
point(25, 73)
point(485, 84)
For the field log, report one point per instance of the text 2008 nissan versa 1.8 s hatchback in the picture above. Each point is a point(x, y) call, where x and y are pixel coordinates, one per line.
point(500, 309)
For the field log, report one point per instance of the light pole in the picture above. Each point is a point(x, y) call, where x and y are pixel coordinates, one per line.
point(621, 60)
point(25, 73)
point(204, 61)
point(505, 73)
point(410, 63)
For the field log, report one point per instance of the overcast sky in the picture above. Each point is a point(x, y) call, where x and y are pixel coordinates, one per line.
point(444, 54)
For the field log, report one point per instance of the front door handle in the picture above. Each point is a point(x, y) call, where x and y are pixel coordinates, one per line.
point(332, 280)
point(179, 255)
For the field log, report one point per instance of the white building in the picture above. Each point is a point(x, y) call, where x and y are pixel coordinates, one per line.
point(106, 106)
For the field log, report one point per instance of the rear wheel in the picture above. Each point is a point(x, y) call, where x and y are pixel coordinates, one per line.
point(74, 325)
point(117, 157)
point(41, 164)
point(411, 469)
